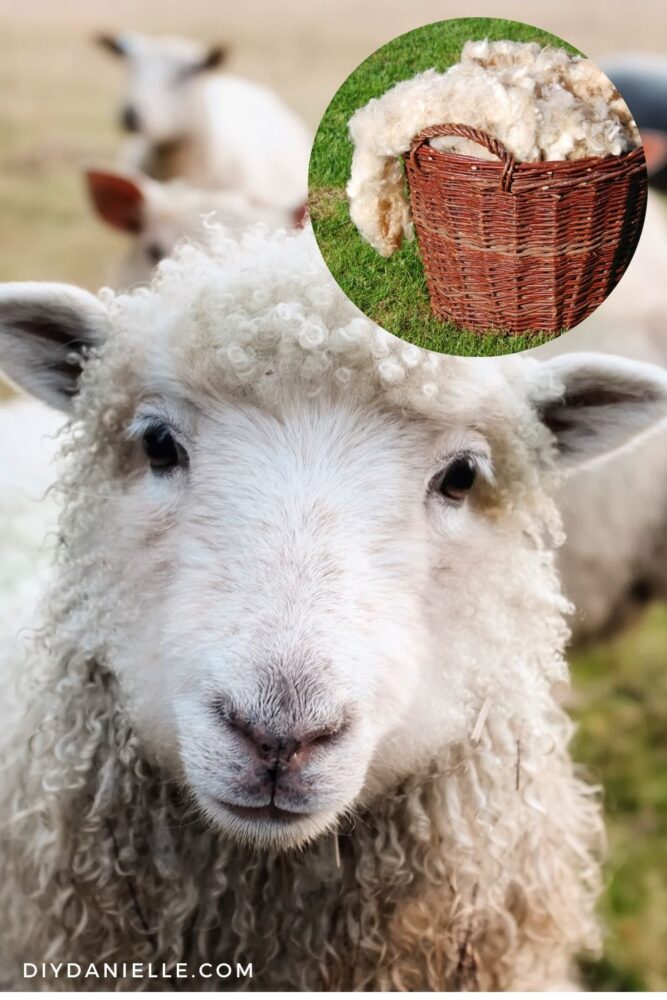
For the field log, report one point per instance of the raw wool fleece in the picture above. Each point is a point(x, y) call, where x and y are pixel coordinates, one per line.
point(541, 103)
point(480, 870)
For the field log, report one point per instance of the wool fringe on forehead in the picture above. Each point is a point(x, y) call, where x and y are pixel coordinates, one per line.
point(463, 878)
point(234, 318)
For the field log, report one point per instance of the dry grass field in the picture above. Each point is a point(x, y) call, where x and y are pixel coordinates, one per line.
point(57, 103)
point(58, 92)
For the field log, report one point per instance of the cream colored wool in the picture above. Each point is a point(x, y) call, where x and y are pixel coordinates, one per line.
point(542, 103)
point(473, 864)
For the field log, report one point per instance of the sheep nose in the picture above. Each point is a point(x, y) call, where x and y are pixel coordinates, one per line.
point(284, 750)
point(129, 119)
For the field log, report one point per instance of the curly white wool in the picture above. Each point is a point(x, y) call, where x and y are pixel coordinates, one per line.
point(292, 328)
point(542, 103)
point(495, 841)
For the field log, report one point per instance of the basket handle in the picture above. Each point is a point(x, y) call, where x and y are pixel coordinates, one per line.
point(475, 135)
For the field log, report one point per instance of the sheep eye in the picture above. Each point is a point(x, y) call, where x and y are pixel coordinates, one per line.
point(458, 479)
point(162, 450)
point(154, 253)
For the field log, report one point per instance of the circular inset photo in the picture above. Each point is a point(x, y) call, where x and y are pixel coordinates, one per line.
point(477, 186)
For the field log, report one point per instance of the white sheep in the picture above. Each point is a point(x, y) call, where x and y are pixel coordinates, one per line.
point(614, 559)
point(541, 103)
point(293, 704)
point(28, 440)
point(214, 130)
point(157, 215)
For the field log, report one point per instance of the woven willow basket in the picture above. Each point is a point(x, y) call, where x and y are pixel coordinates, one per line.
point(521, 247)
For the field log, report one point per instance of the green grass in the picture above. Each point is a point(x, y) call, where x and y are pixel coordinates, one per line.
point(621, 706)
point(393, 291)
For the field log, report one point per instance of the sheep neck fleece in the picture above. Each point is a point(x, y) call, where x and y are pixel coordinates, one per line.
point(441, 885)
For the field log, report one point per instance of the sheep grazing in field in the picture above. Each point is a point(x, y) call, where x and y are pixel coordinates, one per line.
point(158, 215)
point(294, 701)
point(614, 560)
point(213, 130)
point(541, 103)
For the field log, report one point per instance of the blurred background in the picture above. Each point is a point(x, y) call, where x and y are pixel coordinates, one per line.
point(58, 101)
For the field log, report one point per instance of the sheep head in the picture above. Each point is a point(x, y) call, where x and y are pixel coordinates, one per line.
point(157, 215)
point(161, 75)
point(313, 555)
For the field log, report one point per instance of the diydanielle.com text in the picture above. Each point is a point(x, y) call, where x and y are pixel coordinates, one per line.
point(136, 970)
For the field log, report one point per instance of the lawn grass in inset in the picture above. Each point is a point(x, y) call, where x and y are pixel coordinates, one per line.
point(392, 291)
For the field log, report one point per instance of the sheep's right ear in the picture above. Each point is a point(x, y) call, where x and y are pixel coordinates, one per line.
point(601, 404)
point(118, 199)
point(45, 332)
point(112, 43)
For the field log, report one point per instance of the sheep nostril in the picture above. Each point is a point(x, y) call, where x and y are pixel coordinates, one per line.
point(325, 735)
point(296, 752)
point(263, 741)
point(280, 748)
point(129, 119)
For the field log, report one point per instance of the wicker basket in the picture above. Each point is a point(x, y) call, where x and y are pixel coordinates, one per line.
point(521, 247)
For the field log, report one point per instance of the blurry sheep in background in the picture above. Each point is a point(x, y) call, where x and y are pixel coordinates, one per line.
point(157, 215)
point(214, 130)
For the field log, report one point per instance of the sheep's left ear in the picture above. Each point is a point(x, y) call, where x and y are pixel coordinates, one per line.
point(115, 44)
point(601, 403)
point(46, 331)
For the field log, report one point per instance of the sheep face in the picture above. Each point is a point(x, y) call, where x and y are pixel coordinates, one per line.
point(301, 547)
point(162, 76)
point(158, 215)
point(283, 566)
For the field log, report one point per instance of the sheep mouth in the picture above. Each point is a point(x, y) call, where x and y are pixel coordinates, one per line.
point(263, 813)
